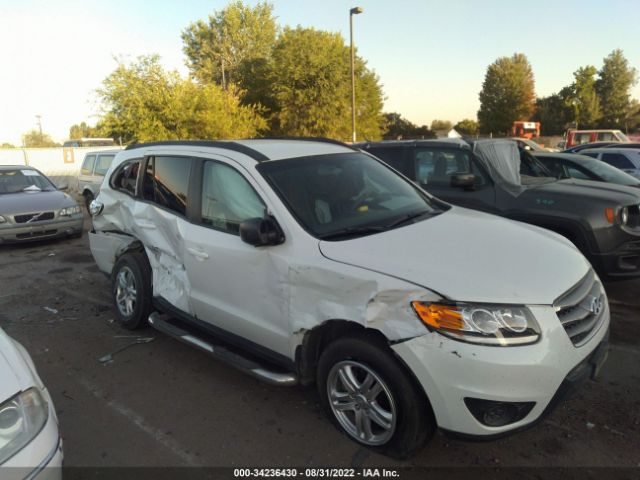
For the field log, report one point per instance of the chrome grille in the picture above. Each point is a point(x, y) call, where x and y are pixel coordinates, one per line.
point(581, 309)
point(33, 217)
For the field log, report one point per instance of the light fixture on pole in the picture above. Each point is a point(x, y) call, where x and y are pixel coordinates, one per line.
point(352, 12)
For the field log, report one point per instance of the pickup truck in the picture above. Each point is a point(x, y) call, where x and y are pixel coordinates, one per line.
point(601, 219)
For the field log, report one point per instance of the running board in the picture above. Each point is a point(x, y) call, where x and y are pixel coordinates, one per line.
point(160, 323)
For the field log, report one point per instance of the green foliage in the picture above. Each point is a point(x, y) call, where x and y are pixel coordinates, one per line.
point(398, 128)
point(310, 88)
point(7, 145)
point(467, 127)
point(507, 94)
point(616, 79)
point(143, 102)
point(584, 98)
point(231, 45)
point(554, 112)
point(34, 139)
point(441, 125)
point(83, 130)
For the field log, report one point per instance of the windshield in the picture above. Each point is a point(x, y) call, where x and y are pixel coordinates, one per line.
point(23, 180)
point(341, 195)
point(607, 172)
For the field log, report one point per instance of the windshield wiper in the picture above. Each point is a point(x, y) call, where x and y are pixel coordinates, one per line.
point(408, 218)
point(353, 232)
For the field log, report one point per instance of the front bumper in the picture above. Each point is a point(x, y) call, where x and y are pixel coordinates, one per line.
point(450, 371)
point(42, 458)
point(623, 263)
point(56, 228)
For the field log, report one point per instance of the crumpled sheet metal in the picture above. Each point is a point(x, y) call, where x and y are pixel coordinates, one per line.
point(373, 300)
point(310, 293)
point(161, 233)
point(502, 159)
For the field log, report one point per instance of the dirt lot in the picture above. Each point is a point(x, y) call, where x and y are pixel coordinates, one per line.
point(165, 404)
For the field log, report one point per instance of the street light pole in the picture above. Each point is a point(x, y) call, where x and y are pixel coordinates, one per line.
point(352, 12)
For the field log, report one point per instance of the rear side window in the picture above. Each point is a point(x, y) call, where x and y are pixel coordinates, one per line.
point(103, 164)
point(605, 137)
point(581, 138)
point(617, 160)
point(590, 154)
point(125, 178)
point(166, 182)
point(87, 165)
point(393, 157)
point(227, 198)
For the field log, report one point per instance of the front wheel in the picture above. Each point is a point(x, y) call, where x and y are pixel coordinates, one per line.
point(88, 198)
point(132, 289)
point(372, 398)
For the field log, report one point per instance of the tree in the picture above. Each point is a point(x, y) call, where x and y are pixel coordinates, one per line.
point(398, 128)
point(583, 98)
point(310, 88)
point(613, 86)
point(143, 102)
point(7, 145)
point(507, 94)
point(34, 139)
point(82, 130)
point(555, 112)
point(467, 127)
point(231, 44)
point(441, 125)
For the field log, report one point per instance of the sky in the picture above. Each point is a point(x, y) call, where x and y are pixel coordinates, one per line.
point(431, 56)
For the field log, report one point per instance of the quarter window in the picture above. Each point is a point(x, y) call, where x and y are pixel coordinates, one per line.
point(227, 198)
point(166, 182)
point(87, 165)
point(125, 177)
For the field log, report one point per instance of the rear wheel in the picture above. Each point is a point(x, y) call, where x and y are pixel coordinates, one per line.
point(131, 291)
point(372, 398)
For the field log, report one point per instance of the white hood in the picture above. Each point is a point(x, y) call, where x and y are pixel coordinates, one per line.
point(15, 374)
point(470, 256)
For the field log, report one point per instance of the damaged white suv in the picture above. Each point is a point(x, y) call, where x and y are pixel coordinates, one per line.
point(307, 261)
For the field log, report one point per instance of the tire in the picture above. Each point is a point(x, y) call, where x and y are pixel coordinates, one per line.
point(133, 306)
point(88, 198)
point(394, 398)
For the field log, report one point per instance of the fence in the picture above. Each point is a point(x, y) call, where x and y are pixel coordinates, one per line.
point(61, 165)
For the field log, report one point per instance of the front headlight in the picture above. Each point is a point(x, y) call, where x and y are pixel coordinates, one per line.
point(67, 212)
point(500, 325)
point(21, 419)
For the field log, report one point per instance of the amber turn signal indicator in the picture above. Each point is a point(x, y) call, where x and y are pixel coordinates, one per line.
point(609, 214)
point(439, 316)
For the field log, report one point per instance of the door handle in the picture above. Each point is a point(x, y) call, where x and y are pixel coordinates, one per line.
point(147, 225)
point(198, 253)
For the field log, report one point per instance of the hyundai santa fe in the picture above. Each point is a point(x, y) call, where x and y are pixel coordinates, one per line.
point(310, 262)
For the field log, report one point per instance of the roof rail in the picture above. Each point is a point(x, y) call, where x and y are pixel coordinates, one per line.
point(227, 145)
point(309, 139)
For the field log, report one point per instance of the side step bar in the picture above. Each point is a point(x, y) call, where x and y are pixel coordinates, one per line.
point(160, 323)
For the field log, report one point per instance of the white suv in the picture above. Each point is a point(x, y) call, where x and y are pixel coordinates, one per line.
point(307, 261)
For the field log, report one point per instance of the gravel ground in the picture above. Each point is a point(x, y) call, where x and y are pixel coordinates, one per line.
point(165, 404)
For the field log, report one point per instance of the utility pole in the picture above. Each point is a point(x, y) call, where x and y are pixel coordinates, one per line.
point(39, 117)
point(352, 12)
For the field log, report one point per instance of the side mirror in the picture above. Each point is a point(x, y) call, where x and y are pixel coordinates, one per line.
point(463, 180)
point(260, 232)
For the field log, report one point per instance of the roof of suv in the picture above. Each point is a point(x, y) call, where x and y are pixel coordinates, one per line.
point(263, 149)
point(438, 142)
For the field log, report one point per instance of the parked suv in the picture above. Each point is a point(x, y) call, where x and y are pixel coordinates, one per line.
point(94, 167)
point(311, 262)
point(601, 219)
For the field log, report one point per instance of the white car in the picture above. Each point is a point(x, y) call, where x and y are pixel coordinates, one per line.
point(30, 445)
point(311, 262)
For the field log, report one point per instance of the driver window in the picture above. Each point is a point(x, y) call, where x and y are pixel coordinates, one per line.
point(575, 173)
point(436, 167)
point(227, 198)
